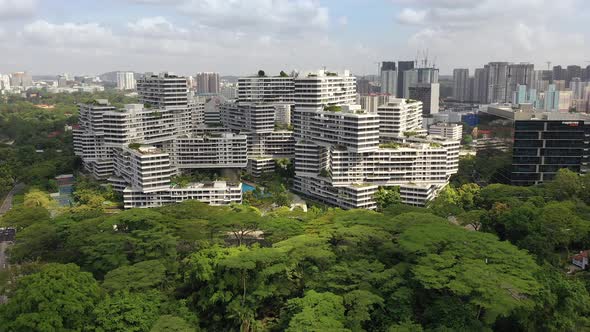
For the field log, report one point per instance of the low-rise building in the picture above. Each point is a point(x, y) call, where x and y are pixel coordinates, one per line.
point(581, 260)
point(452, 131)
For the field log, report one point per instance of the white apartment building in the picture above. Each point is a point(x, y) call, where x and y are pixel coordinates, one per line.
point(373, 101)
point(213, 193)
point(283, 114)
point(229, 91)
point(266, 89)
point(164, 90)
point(452, 131)
point(125, 80)
point(262, 112)
point(4, 82)
point(253, 117)
point(143, 175)
point(342, 159)
point(210, 150)
point(276, 144)
point(139, 148)
point(144, 168)
point(399, 116)
point(265, 142)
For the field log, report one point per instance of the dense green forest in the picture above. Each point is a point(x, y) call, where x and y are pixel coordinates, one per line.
point(190, 266)
point(481, 257)
point(34, 145)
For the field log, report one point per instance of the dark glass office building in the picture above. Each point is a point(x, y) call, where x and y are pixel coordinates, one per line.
point(542, 147)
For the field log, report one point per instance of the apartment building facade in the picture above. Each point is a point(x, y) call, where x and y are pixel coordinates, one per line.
point(344, 154)
point(140, 147)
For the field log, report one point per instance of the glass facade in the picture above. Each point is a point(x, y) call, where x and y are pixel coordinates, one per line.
point(542, 147)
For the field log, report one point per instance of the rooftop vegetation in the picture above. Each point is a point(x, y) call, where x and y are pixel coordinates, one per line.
point(390, 146)
point(134, 146)
point(333, 108)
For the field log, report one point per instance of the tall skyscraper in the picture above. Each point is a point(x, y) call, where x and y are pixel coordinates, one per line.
point(4, 82)
point(461, 84)
point(577, 87)
point(21, 79)
point(558, 73)
point(363, 86)
point(428, 94)
point(520, 74)
point(207, 83)
point(125, 80)
point(572, 72)
point(389, 78)
point(497, 82)
point(415, 76)
point(480, 86)
point(402, 66)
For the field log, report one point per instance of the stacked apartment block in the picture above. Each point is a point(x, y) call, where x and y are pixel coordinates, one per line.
point(262, 112)
point(140, 147)
point(344, 154)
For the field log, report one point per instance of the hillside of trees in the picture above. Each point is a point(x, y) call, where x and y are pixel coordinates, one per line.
point(191, 266)
point(34, 145)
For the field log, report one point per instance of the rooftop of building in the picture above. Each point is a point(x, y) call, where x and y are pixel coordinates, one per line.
point(393, 102)
point(324, 73)
point(97, 102)
point(346, 109)
point(144, 149)
point(446, 124)
point(527, 112)
point(161, 75)
point(203, 185)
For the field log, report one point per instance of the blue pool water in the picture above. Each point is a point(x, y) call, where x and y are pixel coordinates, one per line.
point(247, 187)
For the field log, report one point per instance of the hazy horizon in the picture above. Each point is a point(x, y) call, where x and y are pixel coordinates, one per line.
point(239, 37)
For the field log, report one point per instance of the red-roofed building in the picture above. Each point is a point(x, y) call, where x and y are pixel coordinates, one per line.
point(581, 260)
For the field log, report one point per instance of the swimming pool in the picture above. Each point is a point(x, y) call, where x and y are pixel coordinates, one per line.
point(247, 187)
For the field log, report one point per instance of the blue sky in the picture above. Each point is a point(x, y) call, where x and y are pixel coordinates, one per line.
point(242, 36)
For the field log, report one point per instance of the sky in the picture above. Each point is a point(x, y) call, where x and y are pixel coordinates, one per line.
point(239, 37)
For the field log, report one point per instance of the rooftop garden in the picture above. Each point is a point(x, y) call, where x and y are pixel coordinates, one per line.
point(329, 73)
point(410, 133)
point(435, 145)
point(333, 108)
point(389, 146)
point(134, 146)
point(156, 114)
point(283, 126)
point(324, 173)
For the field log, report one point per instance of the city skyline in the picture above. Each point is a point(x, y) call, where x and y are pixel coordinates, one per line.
point(238, 37)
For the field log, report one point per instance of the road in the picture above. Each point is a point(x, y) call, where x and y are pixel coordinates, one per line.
point(3, 265)
point(3, 260)
point(7, 204)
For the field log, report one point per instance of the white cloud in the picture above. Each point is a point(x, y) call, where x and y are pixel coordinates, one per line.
point(158, 27)
point(412, 16)
point(277, 16)
point(10, 9)
point(471, 33)
point(88, 35)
